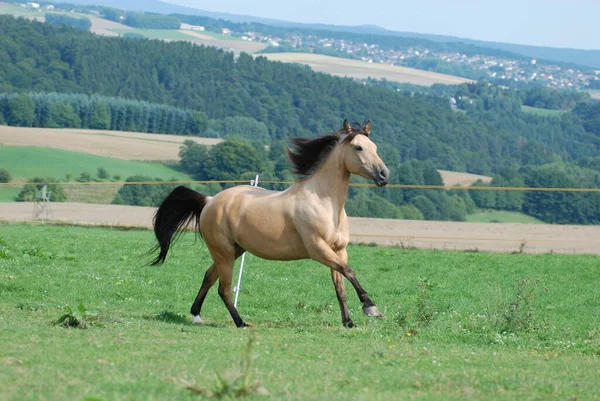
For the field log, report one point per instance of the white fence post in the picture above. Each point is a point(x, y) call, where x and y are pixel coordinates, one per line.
point(238, 287)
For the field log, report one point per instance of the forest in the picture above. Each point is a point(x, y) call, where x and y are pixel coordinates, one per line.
point(121, 83)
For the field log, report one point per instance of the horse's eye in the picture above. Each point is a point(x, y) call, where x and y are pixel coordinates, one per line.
point(358, 147)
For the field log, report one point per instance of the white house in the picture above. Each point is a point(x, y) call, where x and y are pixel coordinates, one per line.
point(33, 5)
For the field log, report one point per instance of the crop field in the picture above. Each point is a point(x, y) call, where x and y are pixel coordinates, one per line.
point(115, 144)
point(19, 11)
point(453, 178)
point(224, 42)
point(362, 69)
point(458, 325)
point(594, 93)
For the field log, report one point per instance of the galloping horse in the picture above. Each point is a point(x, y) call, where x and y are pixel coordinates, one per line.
point(307, 220)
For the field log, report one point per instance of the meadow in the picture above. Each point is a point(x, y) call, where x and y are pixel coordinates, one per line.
point(542, 112)
point(458, 325)
point(26, 162)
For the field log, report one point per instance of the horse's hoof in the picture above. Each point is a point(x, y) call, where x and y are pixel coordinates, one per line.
point(349, 324)
point(372, 311)
point(197, 320)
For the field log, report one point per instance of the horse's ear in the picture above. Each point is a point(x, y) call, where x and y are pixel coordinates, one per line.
point(367, 127)
point(347, 126)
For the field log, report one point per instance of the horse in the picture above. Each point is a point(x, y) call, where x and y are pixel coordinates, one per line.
point(306, 221)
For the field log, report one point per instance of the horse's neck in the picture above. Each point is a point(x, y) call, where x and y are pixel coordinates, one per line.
point(330, 182)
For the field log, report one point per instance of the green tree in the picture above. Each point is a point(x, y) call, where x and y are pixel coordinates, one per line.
point(5, 175)
point(230, 159)
point(63, 116)
point(56, 191)
point(143, 194)
point(100, 117)
point(192, 156)
point(21, 111)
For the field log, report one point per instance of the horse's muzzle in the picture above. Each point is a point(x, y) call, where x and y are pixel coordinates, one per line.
point(381, 176)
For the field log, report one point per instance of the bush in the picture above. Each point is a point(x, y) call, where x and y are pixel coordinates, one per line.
point(143, 194)
point(102, 173)
point(56, 191)
point(5, 175)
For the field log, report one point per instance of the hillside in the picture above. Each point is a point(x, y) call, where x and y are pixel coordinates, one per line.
point(575, 56)
point(290, 100)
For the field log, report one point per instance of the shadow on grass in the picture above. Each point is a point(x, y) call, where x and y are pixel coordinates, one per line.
point(175, 318)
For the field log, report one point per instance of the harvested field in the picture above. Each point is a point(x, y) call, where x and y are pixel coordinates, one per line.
point(452, 178)
point(508, 237)
point(117, 144)
point(103, 26)
point(361, 69)
point(234, 45)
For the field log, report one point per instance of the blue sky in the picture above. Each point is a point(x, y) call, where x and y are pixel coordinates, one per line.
point(557, 23)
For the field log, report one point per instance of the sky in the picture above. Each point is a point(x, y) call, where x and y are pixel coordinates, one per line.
point(556, 23)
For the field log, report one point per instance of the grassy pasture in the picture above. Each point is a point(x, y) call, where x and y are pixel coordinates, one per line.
point(500, 216)
point(164, 34)
point(458, 325)
point(25, 162)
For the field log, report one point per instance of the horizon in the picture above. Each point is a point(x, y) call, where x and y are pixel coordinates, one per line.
point(535, 25)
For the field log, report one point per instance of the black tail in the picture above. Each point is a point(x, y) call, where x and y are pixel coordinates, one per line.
point(175, 213)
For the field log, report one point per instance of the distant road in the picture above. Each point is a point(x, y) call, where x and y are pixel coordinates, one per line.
point(507, 237)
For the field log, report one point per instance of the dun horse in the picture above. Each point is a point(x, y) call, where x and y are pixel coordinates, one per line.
point(307, 220)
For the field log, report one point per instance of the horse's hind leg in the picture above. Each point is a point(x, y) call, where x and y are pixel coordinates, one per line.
point(225, 279)
point(210, 277)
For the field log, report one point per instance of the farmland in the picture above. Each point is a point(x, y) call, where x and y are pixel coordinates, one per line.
point(362, 69)
point(450, 331)
point(28, 162)
point(501, 216)
point(117, 144)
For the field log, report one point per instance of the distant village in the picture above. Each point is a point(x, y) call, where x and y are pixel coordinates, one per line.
point(495, 68)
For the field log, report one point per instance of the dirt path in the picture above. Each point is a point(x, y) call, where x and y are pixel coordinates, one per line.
point(509, 237)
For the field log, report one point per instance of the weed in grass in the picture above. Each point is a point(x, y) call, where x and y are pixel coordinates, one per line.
point(519, 315)
point(80, 318)
point(236, 382)
point(425, 311)
point(39, 253)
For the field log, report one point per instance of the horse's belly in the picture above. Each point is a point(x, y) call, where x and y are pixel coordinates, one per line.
point(286, 246)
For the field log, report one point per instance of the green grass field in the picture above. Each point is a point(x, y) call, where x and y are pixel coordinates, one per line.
point(458, 325)
point(25, 162)
point(498, 216)
point(19, 11)
point(542, 112)
point(155, 33)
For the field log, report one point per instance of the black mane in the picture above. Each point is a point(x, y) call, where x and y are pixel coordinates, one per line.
point(307, 155)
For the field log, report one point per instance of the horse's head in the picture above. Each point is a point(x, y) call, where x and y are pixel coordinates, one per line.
point(360, 154)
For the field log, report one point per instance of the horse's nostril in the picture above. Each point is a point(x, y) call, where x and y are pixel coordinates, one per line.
point(383, 173)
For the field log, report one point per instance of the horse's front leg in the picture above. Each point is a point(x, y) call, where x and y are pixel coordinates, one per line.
point(338, 262)
point(340, 291)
